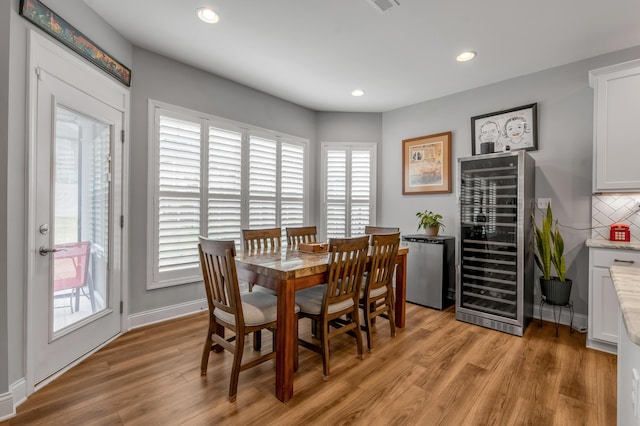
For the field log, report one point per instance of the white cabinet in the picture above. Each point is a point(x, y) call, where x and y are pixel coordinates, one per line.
point(616, 137)
point(603, 303)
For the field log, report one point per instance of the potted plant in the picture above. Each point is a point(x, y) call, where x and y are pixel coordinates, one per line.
point(548, 251)
point(430, 222)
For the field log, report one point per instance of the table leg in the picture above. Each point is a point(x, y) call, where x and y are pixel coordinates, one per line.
point(286, 341)
point(401, 290)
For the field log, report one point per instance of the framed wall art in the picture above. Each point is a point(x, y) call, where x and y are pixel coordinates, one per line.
point(426, 164)
point(508, 130)
point(46, 19)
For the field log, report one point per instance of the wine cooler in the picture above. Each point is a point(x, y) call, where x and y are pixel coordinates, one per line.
point(495, 285)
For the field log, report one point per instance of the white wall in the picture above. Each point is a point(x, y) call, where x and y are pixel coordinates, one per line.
point(563, 159)
point(5, 19)
point(166, 80)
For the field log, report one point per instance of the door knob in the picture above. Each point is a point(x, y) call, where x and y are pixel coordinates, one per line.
point(46, 250)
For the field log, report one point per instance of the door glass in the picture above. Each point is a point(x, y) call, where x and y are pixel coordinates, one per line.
point(80, 223)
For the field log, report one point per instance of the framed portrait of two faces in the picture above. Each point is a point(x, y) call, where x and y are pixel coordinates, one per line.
point(508, 130)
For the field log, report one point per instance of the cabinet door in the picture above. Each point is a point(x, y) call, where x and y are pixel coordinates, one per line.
point(604, 321)
point(617, 140)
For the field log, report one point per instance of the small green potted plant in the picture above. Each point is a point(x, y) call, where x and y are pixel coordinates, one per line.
point(548, 251)
point(429, 221)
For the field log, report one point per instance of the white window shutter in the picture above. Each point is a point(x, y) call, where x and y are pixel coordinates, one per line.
point(336, 193)
point(179, 195)
point(360, 191)
point(292, 185)
point(262, 182)
point(225, 184)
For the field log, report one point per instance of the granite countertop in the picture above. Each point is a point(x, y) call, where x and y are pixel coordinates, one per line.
point(621, 245)
point(626, 281)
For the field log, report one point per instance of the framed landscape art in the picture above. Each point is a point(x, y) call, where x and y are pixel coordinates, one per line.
point(426, 164)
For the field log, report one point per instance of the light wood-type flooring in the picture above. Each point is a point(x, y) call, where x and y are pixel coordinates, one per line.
point(436, 371)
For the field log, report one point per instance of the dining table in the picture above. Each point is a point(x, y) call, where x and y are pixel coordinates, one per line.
point(286, 271)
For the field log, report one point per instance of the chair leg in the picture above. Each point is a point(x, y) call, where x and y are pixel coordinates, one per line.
point(295, 354)
point(77, 293)
point(220, 332)
point(358, 336)
point(257, 340)
point(314, 328)
point(324, 342)
point(392, 321)
point(368, 326)
point(205, 353)
point(237, 362)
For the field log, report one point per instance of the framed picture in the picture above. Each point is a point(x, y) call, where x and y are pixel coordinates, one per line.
point(507, 130)
point(47, 20)
point(426, 164)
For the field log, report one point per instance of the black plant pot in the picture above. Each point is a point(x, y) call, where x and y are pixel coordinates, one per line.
point(556, 292)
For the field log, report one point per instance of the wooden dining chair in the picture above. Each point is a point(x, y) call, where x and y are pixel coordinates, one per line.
point(379, 230)
point(303, 234)
point(261, 239)
point(376, 296)
point(242, 314)
point(337, 298)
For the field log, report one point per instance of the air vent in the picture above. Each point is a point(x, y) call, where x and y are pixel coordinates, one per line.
point(383, 6)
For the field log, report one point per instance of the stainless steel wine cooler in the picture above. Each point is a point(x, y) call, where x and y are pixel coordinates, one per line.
point(495, 285)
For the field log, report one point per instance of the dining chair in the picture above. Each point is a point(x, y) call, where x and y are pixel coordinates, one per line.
point(337, 298)
point(303, 234)
point(379, 230)
point(71, 273)
point(261, 239)
point(228, 309)
point(376, 296)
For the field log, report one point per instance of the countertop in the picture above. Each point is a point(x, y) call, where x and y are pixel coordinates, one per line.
point(620, 245)
point(626, 281)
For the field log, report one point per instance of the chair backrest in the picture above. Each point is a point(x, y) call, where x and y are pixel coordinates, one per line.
point(347, 260)
point(379, 230)
point(303, 234)
point(382, 261)
point(71, 266)
point(260, 239)
point(217, 259)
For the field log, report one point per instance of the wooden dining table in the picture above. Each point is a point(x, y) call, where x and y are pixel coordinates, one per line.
point(286, 271)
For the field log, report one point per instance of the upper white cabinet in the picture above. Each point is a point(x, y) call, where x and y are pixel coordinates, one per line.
point(615, 130)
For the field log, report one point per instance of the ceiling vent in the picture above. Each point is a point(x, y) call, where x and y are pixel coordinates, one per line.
point(383, 6)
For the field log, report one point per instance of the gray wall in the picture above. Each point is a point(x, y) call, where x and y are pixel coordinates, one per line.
point(162, 79)
point(14, 204)
point(5, 19)
point(563, 159)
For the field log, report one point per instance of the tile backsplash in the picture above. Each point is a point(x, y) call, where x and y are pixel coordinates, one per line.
point(611, 208)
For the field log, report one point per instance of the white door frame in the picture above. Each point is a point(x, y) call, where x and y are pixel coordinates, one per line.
point(42, 52)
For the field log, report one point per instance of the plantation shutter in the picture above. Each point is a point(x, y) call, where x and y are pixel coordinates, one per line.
point(360, 191)
point(336, 195)
point(349, 188)
point(262, 182)
point(178, 197)
point(292, 185)
point(225, 184)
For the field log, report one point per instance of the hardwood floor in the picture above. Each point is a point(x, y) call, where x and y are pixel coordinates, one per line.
point(437, 371)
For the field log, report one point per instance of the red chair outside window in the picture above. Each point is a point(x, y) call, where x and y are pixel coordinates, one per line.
point(71, 273)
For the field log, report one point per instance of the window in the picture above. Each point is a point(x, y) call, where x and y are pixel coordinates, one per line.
point(349, 176)
point(214, 177)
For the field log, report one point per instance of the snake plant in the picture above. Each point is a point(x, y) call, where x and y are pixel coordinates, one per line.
point(549, 246)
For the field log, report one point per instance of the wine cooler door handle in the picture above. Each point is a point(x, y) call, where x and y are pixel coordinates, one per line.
point(631, 262)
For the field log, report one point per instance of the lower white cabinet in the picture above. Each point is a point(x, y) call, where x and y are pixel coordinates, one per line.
point(603, 303)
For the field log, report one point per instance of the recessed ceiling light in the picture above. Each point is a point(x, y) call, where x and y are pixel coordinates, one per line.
point(357, 92)
point(466, 56)
point(208, 15)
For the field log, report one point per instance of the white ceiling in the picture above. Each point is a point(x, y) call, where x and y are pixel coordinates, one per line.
point(315, 52)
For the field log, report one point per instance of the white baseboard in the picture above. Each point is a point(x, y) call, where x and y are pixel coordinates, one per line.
point(166, 313)
point(11, 400)
point(580, 321)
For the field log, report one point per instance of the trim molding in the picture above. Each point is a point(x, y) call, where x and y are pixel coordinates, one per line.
point(11, 400)
point(166, 313)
